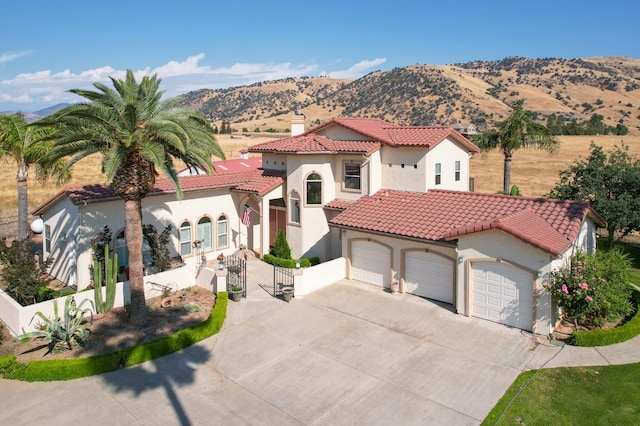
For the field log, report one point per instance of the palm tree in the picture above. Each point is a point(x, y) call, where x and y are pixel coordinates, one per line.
point(517, 131)
point(137, 133)
point(26, 146)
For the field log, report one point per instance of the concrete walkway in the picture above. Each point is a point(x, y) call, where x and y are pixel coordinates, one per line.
point(346, 354)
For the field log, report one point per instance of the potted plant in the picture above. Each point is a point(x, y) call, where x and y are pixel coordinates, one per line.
point(236, 293)
point(287, 293)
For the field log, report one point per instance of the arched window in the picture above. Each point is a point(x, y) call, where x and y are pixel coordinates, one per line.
point(185, 239)
point(294, 207)
point(205, 233)
point(314, 189)
point(223, 240)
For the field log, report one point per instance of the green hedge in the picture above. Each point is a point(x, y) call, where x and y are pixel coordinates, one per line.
point(67, 369)
point(291, 263)
point(626, 331)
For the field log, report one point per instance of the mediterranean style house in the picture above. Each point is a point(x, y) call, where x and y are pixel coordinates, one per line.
point(392, 200)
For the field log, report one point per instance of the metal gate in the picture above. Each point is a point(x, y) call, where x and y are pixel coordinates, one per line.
point(237, 273)
point(282, 277)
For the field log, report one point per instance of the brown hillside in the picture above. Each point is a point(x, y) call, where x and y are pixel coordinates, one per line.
point(481, 92)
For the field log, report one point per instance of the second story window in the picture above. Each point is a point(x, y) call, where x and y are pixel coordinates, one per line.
point(457, 171)
point(352, 176)
point(438, 173)
point(314, 189)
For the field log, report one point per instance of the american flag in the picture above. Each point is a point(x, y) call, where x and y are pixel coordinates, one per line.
point(246, 220)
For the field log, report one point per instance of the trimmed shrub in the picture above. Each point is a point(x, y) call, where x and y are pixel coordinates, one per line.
point(626, 331)
point(291, 263)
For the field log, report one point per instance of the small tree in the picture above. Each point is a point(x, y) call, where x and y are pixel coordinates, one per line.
point(159, 244)
point(281, 248)
point(24, 278)
point(611, 185)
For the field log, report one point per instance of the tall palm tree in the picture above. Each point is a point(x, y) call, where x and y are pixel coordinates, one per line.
point(26, 147)
point(516, 132)
point(138, 134)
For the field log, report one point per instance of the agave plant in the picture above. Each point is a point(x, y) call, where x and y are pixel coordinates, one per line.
point(66, 331)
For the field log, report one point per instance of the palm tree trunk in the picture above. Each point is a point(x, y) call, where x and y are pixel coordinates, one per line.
point(506, 184)
point(23, 202)
point(133, 236)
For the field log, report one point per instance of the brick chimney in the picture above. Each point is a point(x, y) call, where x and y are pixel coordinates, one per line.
point(297, 123)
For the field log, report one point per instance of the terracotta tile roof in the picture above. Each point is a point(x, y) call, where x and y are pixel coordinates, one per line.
point(261, 182)
point(339, 204)
point(551, 225)
point(378, 130)
point(427, 137)
point(374, 128)
point(255, 181)
point(234, 165)
point(315, 144)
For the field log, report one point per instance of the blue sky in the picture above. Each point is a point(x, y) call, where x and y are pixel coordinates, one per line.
point(49, 47)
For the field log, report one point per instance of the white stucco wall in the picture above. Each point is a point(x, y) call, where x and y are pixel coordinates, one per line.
point(66, 240)
point(413, 169)
point(88, 220)
point(312, 236)
point(274, 161)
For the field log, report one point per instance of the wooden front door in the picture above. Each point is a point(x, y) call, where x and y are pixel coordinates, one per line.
point(277, 222)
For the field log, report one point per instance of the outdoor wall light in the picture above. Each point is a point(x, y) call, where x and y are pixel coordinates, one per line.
point(460, 259)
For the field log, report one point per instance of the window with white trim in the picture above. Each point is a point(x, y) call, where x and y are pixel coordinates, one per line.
point(314, 189)
point(438, 173)
point(223, 240)
point(185, 239)
point(205, 233)
point(294, 207)
point(457, 169)
point(352, 175)
point(47, 238)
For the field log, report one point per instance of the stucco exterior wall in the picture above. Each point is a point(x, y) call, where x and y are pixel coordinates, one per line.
point(66, 239)
point(274, 161)
point(88, 220)
point(313, 231)
point(403, 169)
point(447, 153)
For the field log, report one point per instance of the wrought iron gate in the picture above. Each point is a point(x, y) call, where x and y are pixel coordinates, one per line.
point(237, 273)
point(282, 277)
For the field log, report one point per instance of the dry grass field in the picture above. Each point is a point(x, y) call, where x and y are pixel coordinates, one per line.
point(534, 172)
point(89, 171)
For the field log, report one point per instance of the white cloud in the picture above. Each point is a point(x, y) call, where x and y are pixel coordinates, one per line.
point(44, 88)
point(357, 70)
point(6, 57)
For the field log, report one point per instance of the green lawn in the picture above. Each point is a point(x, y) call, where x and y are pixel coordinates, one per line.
point(608, 395)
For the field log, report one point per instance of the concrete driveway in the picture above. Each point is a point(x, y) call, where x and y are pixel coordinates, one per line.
point(347, 354)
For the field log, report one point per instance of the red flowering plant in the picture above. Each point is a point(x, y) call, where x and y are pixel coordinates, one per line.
point(594, 289)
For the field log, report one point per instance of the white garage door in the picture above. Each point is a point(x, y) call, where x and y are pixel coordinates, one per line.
point(502, 293)
point(370, 262)
point(429, 275)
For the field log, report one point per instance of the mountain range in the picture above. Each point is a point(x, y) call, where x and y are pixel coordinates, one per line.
point(478, 92)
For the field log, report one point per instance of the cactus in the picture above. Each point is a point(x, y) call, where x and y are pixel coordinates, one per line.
point(110, 278)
